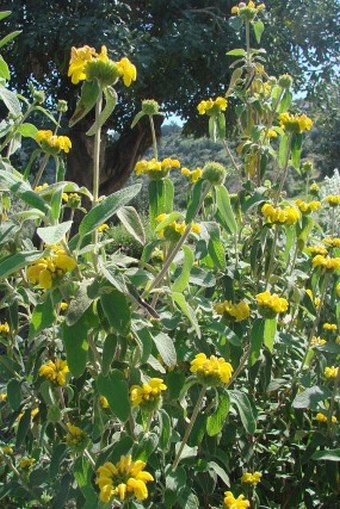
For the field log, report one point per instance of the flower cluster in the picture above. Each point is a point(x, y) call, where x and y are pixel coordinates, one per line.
point(333, 200)
point(276, 215)
point(317, 341)
point(103, 402)
point(326, 262)
point(314, 188)
point(315, 300)
point(51, 143)
point(76, 438)
point(249, 478)
point(211, 107)
point(331, 372)
point(332, 241)
point(73, 200)
point(271, 304)
point(103, 228)
point(212, 370)
point(317, 250)
point(174, 230)
point(87, 64)
point(307, 208)
point(230, 502)
point(247, 11)
point(4, 328)
point(330, 326)
point(26, 463)
point(148, 395)
point(48, 269)
point(55, 371)
point(320, 417)
point(126, 478)
point(239, 311)
point(193, 175)
point(156, 169)
point(295, 124)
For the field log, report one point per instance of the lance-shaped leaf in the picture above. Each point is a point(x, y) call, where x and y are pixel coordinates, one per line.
point(161, 197)
point(132, 222)
point(89, 94)
point(110, 104)
point(54, 234)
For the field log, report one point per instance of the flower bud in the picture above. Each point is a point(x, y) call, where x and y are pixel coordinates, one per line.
point(62, 106)
point(150, 107)
point(106, 72)
point(307, 166)
point(214, 173)
point(285, 81)
point(39, 96)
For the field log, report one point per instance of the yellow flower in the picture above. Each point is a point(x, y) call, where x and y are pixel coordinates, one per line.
point(125, 478)
point(76, 438)
point(155, 169)
point(196, 228)
point(320, 417)
point(63, 306)
point(37, 189)
point(55, 371)
point(230, 502)
point(4, 328)
point(103, 402)
point(307, 208)
point(295, 123)
point(333, 200)
point(3, 396)
point(330, 326)
point(6, 449)
point(103, 228)
point(287, 215)
point(271, 302)
point(212, 107)
point(337, 289)
point(52, 143)
point(331, 372)
point(326, 262)
point(239, 311)
point(314, 188)
point(212, 370)
point(148, 395)
point(338, 340)
point(127, 70)
point(26, 463)
point(194, 175)
point(79, 59)
point(249, 478)
point(34, 412)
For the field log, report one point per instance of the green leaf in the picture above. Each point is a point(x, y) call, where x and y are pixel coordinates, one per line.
point(285, 102)
point(235, 22)
point(116, 391)
point(83, 476)
point(212, 128)
point(8, 38)
point(296, 149)
point(109, 350)
point(194, 201)
point(173, 216)
point(4, 69)
point(106, 208)
point(88, 97)
point(270, 326)
point(7, 231)
point(216, 248)
point(4, 14)
point(54, 234)
point(165, 430)
point(56, 202)
point(181, 302)
point(75, 339)
point(28, 130)
point(166, 348)
point(11, 101)
point(42, 317)
point(225, 214)
point(137, 118)
point(257, 337)
point(116, 308)
point(284, 150)
point(245, 410)
point(310, 397)
point(23, 190)
point(239, 52)
point(14, 394)
point(258, 27)
point(183, 279)
point(23, 428)
point(161, 197)
point(18, 261)
point(327, 455)
point(79, 304)
point(216, 421)
point(110, 104)
point(221, 125)
point(131, 220)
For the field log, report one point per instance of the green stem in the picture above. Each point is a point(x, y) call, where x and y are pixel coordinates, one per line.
point(272, 255)
point(248, 42)
point(190, 426)
point(96, 175)
point(285, 171)
point(230, 155)
point(153, 135)
point(40, 171)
